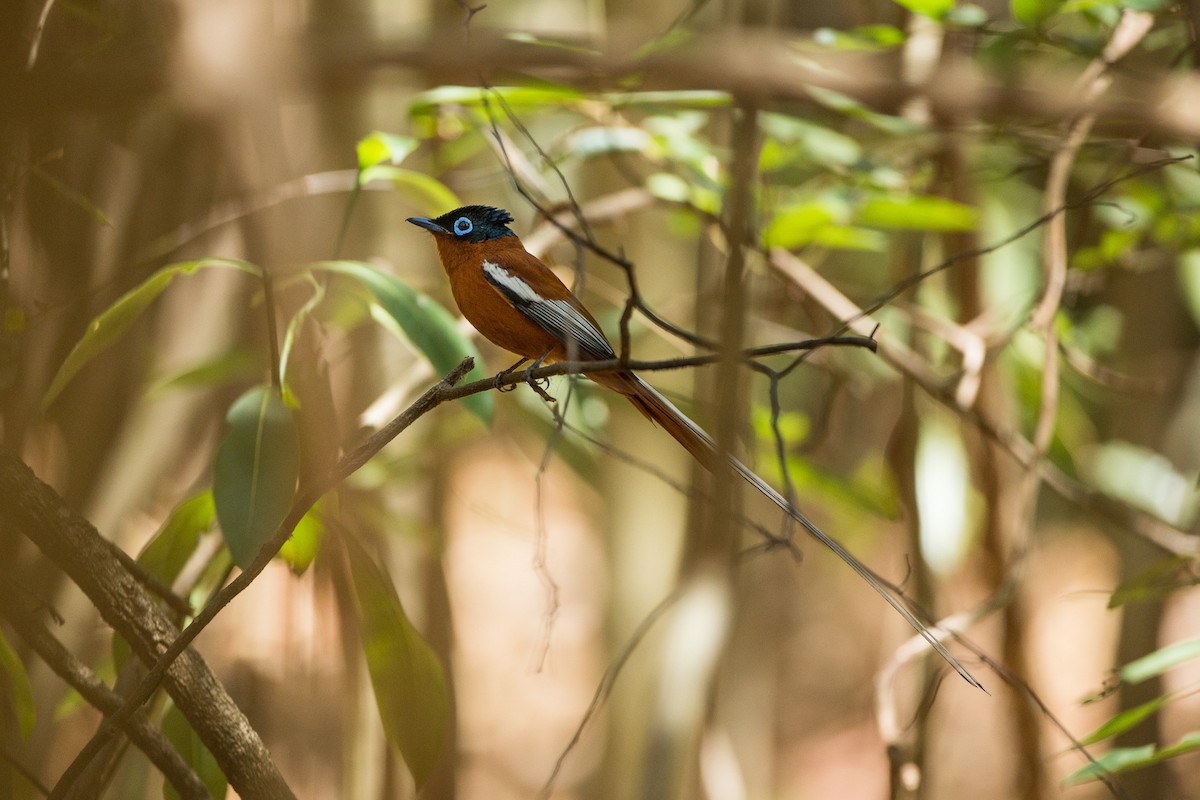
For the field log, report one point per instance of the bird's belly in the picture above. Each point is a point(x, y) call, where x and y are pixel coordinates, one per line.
point(504, 326)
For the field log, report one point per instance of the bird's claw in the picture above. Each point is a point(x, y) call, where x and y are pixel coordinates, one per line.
point(539, 385)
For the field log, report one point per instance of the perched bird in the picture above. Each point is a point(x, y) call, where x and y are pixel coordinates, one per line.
point(518, 303)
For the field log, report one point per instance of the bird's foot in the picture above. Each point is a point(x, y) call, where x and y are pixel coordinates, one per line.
point(498, 381)
point(539, 385)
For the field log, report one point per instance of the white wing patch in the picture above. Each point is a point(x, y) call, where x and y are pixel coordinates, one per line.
point(558, 317)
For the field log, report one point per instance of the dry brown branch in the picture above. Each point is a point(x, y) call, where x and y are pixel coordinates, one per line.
point(30, 508)
point(76, 674)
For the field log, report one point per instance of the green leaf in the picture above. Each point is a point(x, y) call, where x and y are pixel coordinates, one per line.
point(917, 213)
point(195, 754)
point(1158, 662)
point(379, 147)
point(301, 548)
point(1189, 279)
point(431, 328)
point(1127, 719)
point(293, 329)
point(1119, 759)
point(255, 471)
point(426, 192)
point(473, 97)
point(233, 366)
point(18, 691)
point(166, 553)
point(406, 674)
point(107, 328)
point(1032, 13)
point(1155, 582)
point(929, 8)
point(1127, 759)
point(819, 223)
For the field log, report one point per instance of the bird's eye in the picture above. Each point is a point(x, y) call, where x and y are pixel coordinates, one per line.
point(462, 226)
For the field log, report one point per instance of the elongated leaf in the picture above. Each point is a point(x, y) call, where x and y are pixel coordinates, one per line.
point(406, 675)
point(917, 213)
point(473, 97)
point(1119, 759)
point(1155, 582)
point(166, 553)
point(293, 330)
point(112, 323)
point(300, 550)
point(426, 192)
point(1158, 662)
point(1032, 13)
point(186, 741)
point(255, 471)
point(427, 325)
point(930, 8)
point(379, 147)
point(17, 690)
point(1127, 719)
point(232, 366)
point(1127, 759)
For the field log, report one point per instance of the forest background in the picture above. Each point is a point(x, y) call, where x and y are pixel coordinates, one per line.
point(233, 400)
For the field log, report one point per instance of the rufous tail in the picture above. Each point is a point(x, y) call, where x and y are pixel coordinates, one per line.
point(697, 442)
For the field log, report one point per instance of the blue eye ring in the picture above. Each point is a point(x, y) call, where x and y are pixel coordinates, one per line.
point(463, 226)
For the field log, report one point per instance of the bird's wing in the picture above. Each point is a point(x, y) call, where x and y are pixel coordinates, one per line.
point(560, 318)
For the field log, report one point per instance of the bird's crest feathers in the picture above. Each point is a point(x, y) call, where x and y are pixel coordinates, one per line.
point(476, 223)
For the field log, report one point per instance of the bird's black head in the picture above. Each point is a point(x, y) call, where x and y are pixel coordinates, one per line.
point(469, 223)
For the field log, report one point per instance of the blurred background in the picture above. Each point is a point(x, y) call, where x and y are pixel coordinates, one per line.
point(1009, 190)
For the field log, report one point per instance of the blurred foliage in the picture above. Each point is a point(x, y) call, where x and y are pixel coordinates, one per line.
point(851, 188)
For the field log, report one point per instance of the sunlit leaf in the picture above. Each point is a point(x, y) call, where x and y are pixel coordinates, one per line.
point(867, 37)
point(1158, 662)
point(406, 674)
point(601, 139)
point(426, 192)
point(819, 222)
point(429, 326)
point(195, 754)
point(551, 44)
point(1032, 13)
point(17, 691)
point(379, 147)
point(795, 225)
point(1189, 279)
point(917, 213)
point(666, 186)
point(967, 15)
point(255, 471)
point(301, 548)
point(929, 8)
point(1145, 479)
point(1126, 720)
point(691, 98)
point(107, 328)
point(474, 97)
